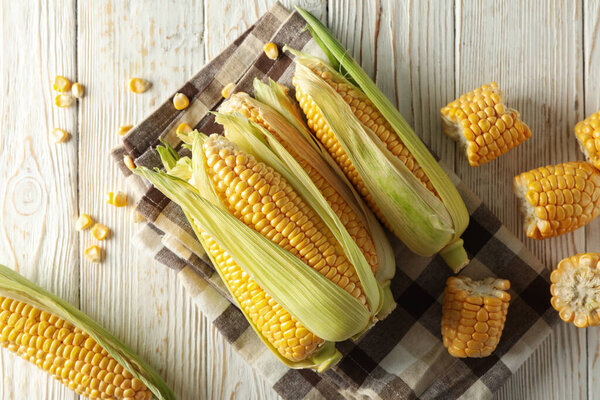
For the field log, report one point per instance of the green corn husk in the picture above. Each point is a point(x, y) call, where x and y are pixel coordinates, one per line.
point(423, 222)
point(15, 286)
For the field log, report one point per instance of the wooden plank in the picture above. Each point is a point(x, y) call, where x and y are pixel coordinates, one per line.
point(591, 69)
point(509, 42)
point(36, 221)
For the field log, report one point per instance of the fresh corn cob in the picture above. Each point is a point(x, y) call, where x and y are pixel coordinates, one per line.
point(287, 271)
point(576, 289)
point(588, 136)
point(391, 168)
point(355, 224)
point(483, 125)
point(74, 350)
point(473, 315)
point(558, 199)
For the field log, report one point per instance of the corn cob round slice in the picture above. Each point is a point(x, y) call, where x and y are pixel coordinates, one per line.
point(473, 315)
point(558, 199)
point(484, 126)
point(368, 114)
point(588, 136)
point(575, 289)
point(241, 102)
point(258, 196)
point(67, 353)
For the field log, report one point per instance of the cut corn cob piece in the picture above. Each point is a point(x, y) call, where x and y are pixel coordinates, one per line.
point(346, 209)
point(576, 289)
point(483, 125)
point(68, 345)
point(61, 84)
point(83, 222)
point(473, 315)
point(558, 199)
point(588, 136)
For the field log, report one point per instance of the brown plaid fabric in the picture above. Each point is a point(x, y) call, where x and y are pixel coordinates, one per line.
point(401, 357)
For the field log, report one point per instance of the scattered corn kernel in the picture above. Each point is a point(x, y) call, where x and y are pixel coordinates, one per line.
point(64, 100)
point(77, 90)
point(139, 85)
point(83, 222)
point(93, 253)
point(180, 101)
point(119, 199)
point(136, 217)
point(227, 89)
point(124, 129)
point(61, 84)
point(109, 197)
point(128, 162)
point(271, 50)
point(183, 128)
point(473, 315)
point(100, 231)
point(59, 135)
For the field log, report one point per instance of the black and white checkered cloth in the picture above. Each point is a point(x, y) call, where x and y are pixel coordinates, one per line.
point(401, 357)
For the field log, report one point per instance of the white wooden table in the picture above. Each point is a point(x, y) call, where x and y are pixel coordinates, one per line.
point(545, 55)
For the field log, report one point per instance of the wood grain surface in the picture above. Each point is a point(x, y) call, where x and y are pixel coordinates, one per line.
point(544, 54)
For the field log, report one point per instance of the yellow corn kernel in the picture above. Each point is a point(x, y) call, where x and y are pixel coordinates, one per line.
point(227, 90)
point(558, 199)
point(59, 135)
point(83, 222)
point(61, 84)
point(486, 302)
point(128, 161)
point(575, 289)
point(63, 100)
point(58, 355)
point(183, 128)
point(124, 129)
point(271, 50)
point(120, 199)
point(136, 217)
point(77, 90)
point(100, 231)
point(93, 254)
point(181, 101)
point(109, 197)
point(483, 125)
point(139, 85)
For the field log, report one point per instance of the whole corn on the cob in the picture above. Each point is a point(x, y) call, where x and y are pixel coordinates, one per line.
point(484, 126)
point(287, 270)
point(52, 334)
point(588, 136)
point(558, 199)
point(473, 315)
point(575, 289)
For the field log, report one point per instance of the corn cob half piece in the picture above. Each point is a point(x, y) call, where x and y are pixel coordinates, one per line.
point(588, 136)
point(473, 315)
point(483, 125)
point(575, 289)
point(289, 274)
point(558, 199)
point(68, 345)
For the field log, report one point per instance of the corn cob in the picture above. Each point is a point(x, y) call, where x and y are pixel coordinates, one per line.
point(558, 199)
point(473, 315)
point(52, 334)
point(250, 108)
point(575, 289)
point(483, 125)
point(588, 136)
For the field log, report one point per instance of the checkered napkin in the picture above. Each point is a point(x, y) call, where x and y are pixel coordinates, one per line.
point(400, 357)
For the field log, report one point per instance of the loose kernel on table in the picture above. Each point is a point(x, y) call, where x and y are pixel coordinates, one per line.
point(183, 128)
point(83, 222)
point(119, 199)
point(77, 90)
point(124, 129)
point(61, 84)
point(93, 253)
point(64, 100)
point(226, 91)
point(136, 217)
point(139, 85)
point(108, 197)
point(271, 50)
point(59, 135)
point(128, 161)
point(100, 231)
point(180, 101)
